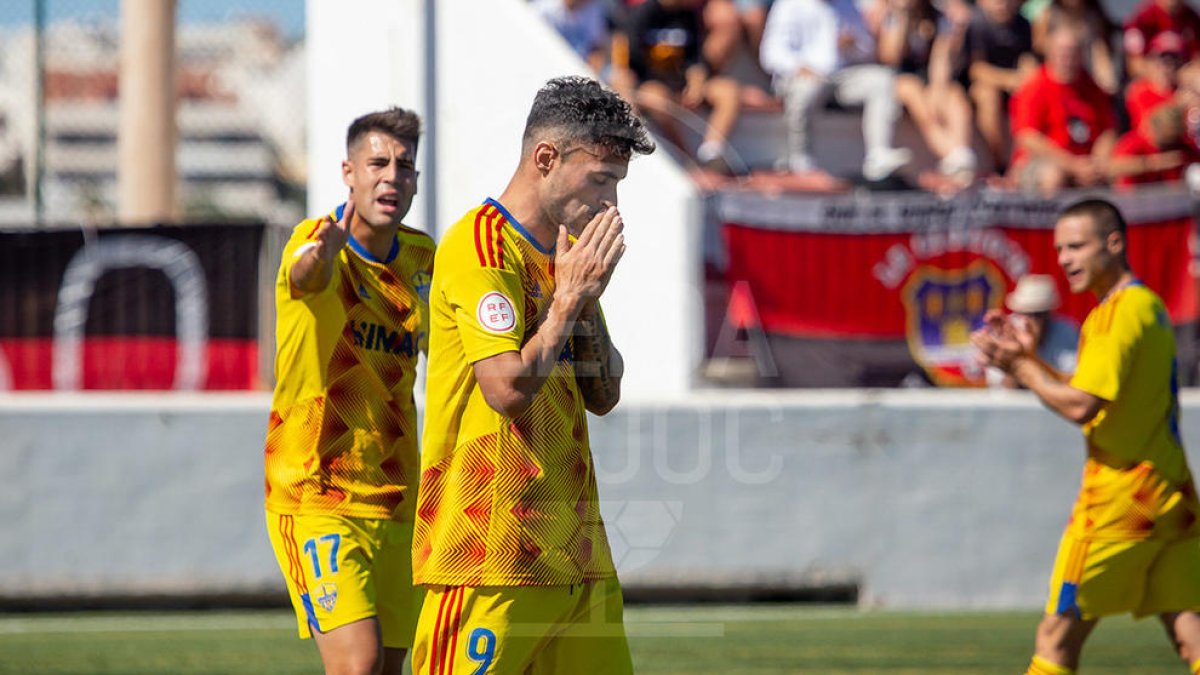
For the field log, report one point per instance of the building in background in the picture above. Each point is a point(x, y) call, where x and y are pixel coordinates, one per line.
point(241, 155)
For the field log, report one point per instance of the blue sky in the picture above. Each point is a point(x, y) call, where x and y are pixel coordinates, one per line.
point(288, 14)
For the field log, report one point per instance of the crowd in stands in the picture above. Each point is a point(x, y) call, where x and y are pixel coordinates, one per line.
point(1035, 97)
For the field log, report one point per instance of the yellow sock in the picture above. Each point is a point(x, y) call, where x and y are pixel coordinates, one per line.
point(1196, 667)
point(1040, 666)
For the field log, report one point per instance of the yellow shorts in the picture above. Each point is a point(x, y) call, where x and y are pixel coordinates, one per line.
point(522, 629)
point(340, 570)
point(1092, 579)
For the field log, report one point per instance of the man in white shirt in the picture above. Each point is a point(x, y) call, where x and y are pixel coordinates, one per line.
point(817, 48)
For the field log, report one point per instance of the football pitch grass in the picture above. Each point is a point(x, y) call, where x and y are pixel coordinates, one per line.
point(664, 639)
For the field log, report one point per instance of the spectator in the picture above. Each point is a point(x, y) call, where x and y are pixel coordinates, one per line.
point(1000, 59)
point(918, 41)
point(1156, 151)
point(815, 48)
point(731, 25)
point(1033, 301)
point(1160, 77)
point(1062, 121)
point(583, 24)
point(754, 19)
point(1156, 16)
point(666, 77)
point(733, 34)
point(1097, 31)
point(1187, 95)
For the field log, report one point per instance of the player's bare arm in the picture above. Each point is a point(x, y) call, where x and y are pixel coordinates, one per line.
point(1073, 404)
point(598, 364)
point(313, 268)
point(509, 381)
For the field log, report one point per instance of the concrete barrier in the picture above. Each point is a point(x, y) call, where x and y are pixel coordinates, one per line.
point(951, 499)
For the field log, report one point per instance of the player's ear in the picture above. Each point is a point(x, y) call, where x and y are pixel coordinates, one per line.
point(347, 173)
point(544, 155)
point(1115, 243)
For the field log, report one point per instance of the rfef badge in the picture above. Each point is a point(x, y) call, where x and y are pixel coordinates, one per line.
point(495, 312)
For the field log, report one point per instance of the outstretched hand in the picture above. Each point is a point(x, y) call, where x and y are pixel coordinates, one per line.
point(582, 271)
point(332, 234)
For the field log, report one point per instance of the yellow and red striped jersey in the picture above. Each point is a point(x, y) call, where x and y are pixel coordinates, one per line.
point(504, 502)
point(1136, 483)
point(342, 437)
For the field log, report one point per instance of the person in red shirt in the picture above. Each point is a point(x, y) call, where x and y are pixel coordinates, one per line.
point(1157, 16)
point(1161, 78)
point(1062, 122)
point(1154, 152)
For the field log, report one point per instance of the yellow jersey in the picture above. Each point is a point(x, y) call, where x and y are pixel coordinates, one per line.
point(342, 436)
point(504, 502)
point(1136, 483)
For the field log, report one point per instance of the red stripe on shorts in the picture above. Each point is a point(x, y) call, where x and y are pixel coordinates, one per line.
point(435, 658)
point(287, 528)
point(457, 619)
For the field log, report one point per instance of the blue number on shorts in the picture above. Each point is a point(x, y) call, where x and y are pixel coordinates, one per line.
point(310, 547)
point(333, 551)
point(483, 656)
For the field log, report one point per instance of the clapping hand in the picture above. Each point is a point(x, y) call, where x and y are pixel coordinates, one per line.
point(1003, 339)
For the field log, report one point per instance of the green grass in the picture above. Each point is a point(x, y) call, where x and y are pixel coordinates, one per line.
point(692, 639)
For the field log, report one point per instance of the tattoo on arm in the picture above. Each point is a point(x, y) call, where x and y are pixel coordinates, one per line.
point(592, 352)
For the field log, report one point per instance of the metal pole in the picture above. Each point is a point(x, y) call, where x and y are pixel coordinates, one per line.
point(39, 97)
point(431, 113)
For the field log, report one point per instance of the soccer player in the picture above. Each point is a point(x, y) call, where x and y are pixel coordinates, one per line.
point(1133, 541)
point(509, 542)
point(341, 451)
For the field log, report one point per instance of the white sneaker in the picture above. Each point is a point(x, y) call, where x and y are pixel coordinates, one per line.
point(709, 151)
point(880, 164)
point(959, 160)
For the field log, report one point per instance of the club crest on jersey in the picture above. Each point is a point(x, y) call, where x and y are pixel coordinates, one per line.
point(942, 308)
point(495, 312)
point(421, 282)
point(327, 595)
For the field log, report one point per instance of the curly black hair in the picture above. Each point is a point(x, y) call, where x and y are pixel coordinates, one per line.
point(395, 121)
point(580, 109)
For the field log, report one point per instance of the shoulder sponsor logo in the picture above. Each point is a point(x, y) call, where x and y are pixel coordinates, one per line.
point(495, 313)
point(362, 292)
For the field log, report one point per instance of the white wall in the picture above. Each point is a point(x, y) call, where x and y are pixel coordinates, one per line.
point(950, 499)
point(356, 48)
point(492, 56)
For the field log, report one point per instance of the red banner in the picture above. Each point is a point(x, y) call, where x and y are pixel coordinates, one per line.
point(918, 269)
point(130, 308)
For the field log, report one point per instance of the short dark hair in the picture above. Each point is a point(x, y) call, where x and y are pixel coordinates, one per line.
point(1106, 216)
point(580, 109)
point(395, 121)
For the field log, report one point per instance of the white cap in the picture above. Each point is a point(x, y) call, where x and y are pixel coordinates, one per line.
point(1034, 293)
